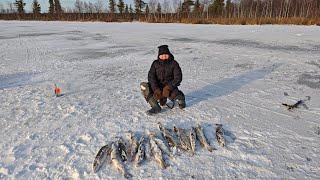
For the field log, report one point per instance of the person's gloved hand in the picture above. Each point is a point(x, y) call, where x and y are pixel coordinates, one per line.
point(157, 94)
point(166, 91)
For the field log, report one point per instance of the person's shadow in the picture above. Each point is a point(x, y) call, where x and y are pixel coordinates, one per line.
point(18, 79)
point(228, 85)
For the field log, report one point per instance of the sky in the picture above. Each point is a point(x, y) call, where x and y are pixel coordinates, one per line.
point(44, 3)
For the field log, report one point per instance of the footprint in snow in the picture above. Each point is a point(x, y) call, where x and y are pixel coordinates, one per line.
point(317, 131)
point(34, 136)
point(36, 167)
point(22, 151)
point(84, 139)
point(309, 159)
point(290, 168)
point(3, 172)
point(65, 149)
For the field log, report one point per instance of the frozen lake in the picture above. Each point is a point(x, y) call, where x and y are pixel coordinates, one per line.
point(235, 75)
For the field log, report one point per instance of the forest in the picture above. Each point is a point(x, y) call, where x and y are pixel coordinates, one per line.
point(302, 12)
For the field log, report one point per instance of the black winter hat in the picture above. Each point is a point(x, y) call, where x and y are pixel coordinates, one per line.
point(164, 49)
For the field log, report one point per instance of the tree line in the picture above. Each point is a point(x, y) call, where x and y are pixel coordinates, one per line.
point(185, 11)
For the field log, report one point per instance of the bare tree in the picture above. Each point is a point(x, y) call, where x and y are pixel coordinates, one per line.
point(12, 8)
point(166, 7)
point(2, 10)
point(153, 5)
point(175, 5)
point(78, 6)
point(98, 6)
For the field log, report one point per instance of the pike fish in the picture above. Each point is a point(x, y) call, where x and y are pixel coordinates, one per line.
point(140, 155)
point(117, 161)
point(122, 149)
point(134, 145)
point(202, 138)
point(168, 135)
point(147, 148)
point(220, 135)
point(157, 152)
point(162, 146)
point(192, 136)
point(184, 138)
point(101, 157)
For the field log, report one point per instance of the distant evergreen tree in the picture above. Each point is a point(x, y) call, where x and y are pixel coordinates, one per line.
point(126, 11)
point(36, 8)
point(217, 7)
point(159, 10)
point(112, 6)
point(20, 6)
point(51, 6)
point(139, 5)
point(147, 10)
point(186, 5)
point(57, 7)
point(121, 6)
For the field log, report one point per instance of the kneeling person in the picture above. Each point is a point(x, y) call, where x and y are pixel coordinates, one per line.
point(164, 77)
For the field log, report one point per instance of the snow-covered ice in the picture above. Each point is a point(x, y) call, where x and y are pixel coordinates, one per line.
point(234, 75)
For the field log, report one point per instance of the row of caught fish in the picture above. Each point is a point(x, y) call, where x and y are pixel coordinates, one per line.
point(137, 149)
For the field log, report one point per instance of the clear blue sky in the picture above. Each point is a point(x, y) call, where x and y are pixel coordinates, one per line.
point(64, 3)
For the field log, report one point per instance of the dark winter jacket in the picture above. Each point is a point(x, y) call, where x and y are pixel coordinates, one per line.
point(164, 73)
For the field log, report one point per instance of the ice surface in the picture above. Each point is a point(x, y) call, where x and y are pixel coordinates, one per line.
point(234, 75)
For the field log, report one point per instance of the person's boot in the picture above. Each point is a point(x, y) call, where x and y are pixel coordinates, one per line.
point(181, 100)
point(155, 108)
point(163, 101)
point(145, 90)
point(147, 94)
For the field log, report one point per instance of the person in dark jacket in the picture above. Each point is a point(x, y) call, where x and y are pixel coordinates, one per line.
point(164, 77)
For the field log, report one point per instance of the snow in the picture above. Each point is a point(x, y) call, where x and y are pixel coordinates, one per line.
point(234, 75)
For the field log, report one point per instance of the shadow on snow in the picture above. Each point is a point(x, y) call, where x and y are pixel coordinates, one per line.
point(16, 80)
point(228, 85)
